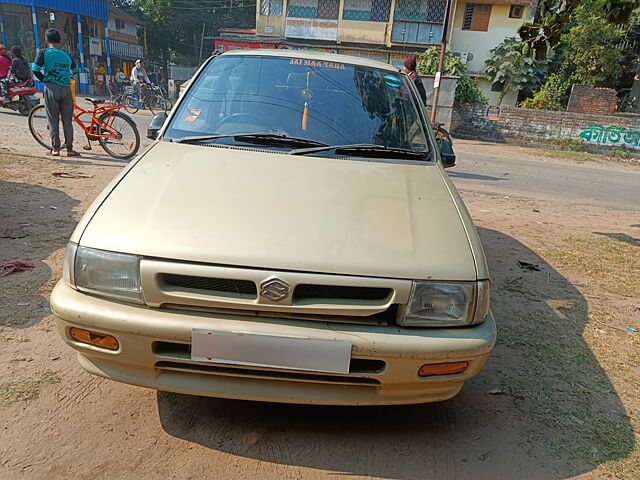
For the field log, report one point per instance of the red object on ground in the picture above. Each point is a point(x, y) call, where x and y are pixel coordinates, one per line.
point(15, 267)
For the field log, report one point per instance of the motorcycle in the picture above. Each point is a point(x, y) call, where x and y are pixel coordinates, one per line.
point(22, 97)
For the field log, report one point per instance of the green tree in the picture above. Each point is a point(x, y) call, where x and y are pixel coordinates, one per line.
point(174, 27)
point(592, 52)
point(466, 89)
point(513, 64)
point(553, 16)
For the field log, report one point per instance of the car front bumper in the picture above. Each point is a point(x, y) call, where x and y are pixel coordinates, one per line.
point(154, 347)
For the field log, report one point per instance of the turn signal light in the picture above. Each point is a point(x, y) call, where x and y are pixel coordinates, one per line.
point(93, 338)
point(442, 368)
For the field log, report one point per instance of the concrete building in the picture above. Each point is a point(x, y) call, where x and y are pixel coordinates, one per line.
point(479, 26)
point(123, 39)
point(386, 30)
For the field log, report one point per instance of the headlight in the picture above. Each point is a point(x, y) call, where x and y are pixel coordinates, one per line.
point(115, 275)
point(447, 304)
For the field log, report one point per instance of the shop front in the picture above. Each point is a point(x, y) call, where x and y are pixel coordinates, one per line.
point(81, 24)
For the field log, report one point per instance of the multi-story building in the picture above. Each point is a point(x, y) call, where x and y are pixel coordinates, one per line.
point(390, 30)
point(480, 25)
point(84, 28)
point(123, 40)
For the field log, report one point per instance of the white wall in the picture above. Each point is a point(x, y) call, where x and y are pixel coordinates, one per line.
point(129, 27)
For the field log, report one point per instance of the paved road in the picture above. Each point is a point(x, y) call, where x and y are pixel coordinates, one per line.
point(547, 179)
point(510, 174)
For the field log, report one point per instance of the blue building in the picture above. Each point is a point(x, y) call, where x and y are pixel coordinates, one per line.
point(83, 24)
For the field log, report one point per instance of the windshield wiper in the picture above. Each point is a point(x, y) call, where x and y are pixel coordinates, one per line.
point(365, 150)
point(258, 137)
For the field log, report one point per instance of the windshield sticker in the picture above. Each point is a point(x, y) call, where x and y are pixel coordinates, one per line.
point(317, 63)
point(392, 81)
point(193, 117)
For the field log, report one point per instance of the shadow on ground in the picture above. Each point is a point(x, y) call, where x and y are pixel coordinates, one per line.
point(623, 237)
point(543, 407)
point(475, 176)
point(35, 222)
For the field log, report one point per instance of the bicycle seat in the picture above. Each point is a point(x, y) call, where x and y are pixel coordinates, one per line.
point(95, 101)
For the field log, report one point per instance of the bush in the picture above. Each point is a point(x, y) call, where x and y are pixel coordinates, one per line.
point(550, 96)
point(466, 90)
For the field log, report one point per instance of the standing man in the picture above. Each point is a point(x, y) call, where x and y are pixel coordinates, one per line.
point(54, 67)
point(409, 68)
point(5, 66)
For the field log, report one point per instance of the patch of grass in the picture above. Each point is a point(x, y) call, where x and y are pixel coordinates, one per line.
point(612, 261)
point(620, 152)
point(566, 389)
point(27, 388)
point(576, 156)
point(568, 143)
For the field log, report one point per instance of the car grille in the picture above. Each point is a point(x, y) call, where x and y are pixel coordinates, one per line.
point(177, 357)
point(246, 291)
point(240, 287)
point(303, 292)
point(266, 374)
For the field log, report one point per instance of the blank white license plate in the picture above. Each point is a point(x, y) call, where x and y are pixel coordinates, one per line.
point(331, 356)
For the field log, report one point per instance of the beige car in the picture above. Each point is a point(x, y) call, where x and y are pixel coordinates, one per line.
point(291, 236)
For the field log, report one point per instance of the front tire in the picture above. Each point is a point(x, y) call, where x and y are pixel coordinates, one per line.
point(24, 106)
point(39, 126)
point(128, 142)
point(129, 103)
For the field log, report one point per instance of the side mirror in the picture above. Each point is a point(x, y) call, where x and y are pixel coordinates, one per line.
point(446, 153)
point(156, 125)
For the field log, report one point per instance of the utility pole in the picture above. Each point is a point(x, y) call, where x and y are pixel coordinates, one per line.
point(201, 44)
point(443, 53)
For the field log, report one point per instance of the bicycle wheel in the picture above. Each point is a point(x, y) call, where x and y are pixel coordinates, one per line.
point(129, 101)
point(159, 103)
point(168, 104)
point(39, 126)
point(127, 138)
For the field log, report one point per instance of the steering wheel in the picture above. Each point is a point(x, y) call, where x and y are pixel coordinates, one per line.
point(242, 118)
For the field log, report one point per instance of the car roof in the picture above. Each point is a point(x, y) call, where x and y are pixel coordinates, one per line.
point(313, 55)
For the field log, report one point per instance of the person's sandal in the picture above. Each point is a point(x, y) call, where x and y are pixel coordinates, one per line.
point(72, 153)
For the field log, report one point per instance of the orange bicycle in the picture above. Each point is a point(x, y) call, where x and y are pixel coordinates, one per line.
point(115, 131)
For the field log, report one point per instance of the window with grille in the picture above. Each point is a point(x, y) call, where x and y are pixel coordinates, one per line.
point(271, 7)
point(431, 11)
point(516, 11)
point(324, 9)
point(119, 24)
point(367, 10)
point(476, 17)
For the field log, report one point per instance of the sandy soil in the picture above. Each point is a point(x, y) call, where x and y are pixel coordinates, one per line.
point(557, 399)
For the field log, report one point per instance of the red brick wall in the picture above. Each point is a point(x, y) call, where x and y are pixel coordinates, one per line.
point(590, 99)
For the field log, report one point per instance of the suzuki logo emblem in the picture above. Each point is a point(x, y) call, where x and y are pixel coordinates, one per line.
point(274, 290)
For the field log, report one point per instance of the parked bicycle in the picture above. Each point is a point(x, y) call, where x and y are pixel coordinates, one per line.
point(149, 96)
point(117, 92)
point(115, 131)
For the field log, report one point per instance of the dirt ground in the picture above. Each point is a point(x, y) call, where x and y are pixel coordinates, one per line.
point(559, 397)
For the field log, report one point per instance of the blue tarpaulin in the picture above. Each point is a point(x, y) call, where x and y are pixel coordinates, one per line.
point(90, 8)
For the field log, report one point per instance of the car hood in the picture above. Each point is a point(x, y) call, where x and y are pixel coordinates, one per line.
point(268, 210)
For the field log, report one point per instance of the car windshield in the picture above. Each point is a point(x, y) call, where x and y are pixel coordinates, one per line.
point(328, 102)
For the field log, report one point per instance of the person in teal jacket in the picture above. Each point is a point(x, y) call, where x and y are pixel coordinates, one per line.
point(54, 67)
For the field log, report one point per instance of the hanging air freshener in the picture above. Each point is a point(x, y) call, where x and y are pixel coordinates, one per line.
point(307, 94)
